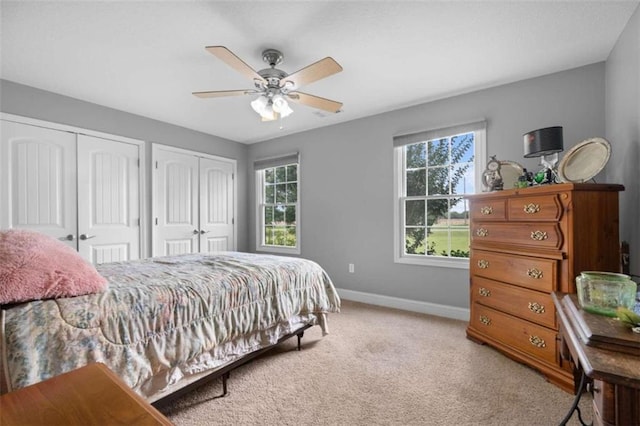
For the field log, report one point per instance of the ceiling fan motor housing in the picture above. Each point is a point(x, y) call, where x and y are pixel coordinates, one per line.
point(272, 76)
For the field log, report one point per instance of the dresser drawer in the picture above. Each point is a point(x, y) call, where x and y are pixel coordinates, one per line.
point(532, 272)
point(534, 235)
point(492, 209)
point(527, 304)
point(531, 209)
point(535, 340)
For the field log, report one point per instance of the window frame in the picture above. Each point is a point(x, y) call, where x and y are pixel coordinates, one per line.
point(260, 207)
point(399, 176)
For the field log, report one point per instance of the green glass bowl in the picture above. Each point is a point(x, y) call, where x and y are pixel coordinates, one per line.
point(603, 293)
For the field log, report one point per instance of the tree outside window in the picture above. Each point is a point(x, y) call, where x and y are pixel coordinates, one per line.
point(436, 175)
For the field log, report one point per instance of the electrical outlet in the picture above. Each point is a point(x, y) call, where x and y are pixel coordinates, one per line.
point(351, 268)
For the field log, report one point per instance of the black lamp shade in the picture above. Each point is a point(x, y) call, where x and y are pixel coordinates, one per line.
point(543, 142)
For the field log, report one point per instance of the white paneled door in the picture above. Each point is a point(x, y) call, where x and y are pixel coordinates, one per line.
point(176, 224)
point(83, 190)
point(216, 205)
point(108, 196)
point(39, 180)
point(193, 203)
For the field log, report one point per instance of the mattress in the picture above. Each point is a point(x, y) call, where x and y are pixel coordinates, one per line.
point(165, 321)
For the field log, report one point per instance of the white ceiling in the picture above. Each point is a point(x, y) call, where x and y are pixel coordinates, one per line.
point(146, 57)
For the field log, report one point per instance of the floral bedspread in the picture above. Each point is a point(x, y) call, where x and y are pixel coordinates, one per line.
point(163, 320)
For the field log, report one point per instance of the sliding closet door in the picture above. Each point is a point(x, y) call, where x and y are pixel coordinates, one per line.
point(39, 180)
point(176, 224)
point(216, 205)
point(108, 200)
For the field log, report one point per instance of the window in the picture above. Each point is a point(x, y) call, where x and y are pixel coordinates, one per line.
point(434, 170)
point(278, 207)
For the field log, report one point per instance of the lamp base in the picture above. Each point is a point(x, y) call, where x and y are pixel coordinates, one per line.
point(549, 160)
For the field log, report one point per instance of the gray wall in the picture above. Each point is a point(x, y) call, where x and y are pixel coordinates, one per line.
point(35, 103)
point(347, 175)
point(623, 131)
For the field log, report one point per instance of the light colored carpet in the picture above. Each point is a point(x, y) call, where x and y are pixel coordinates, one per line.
point(380, 366)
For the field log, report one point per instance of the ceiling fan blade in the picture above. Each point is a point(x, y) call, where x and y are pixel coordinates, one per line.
point(234, 62)
point(314, 72)
point(221, 93)
point(315, 101)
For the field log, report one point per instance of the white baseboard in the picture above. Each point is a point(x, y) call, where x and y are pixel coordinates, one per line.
point(406, 304)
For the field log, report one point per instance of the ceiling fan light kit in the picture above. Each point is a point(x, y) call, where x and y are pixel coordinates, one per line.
point(260, 105)
point(281, 106)
point(271, 108)
point(275, 86)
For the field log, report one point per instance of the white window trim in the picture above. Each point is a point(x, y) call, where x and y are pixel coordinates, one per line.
point(259, 176)
point(398, 211)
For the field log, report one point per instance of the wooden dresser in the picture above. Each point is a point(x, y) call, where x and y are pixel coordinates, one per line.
point(525, 244)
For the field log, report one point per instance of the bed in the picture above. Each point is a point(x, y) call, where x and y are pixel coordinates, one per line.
point(162, 324)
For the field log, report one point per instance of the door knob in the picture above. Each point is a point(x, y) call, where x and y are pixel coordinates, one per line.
point(204, 232)
point(196, 232)
point(86, 237)
point(69, 237)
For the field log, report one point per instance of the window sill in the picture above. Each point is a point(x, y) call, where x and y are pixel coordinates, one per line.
point(278, 250)
point(442, 262)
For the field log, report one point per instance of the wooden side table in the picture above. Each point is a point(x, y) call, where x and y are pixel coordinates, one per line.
point(607, 354)
point(91, 395)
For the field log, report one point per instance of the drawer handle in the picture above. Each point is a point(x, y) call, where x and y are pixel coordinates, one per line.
point(485, 320)
point(483, 264)
point(537, 342)
point(531, 208)
point(535, 273)
point(482, 232)
point(486, 210)
point(484, 292)
point(539, 235)
point(535, 307)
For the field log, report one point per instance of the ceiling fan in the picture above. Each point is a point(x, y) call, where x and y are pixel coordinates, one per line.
point(274, 86)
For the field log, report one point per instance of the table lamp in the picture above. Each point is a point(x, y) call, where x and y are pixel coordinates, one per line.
point(544, 143)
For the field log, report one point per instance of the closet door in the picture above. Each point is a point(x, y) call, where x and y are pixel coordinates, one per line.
point(193, 202)
point(108, 199)
point(176, 224)
point(216, 205)
point(39, 180)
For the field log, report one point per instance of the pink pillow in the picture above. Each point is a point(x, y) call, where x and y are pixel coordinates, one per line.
point(36, 266)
